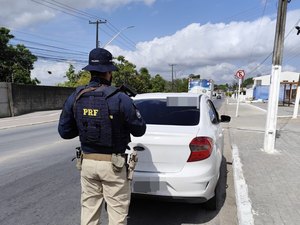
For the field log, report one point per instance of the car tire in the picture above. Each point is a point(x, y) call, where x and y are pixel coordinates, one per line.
point(211, 204)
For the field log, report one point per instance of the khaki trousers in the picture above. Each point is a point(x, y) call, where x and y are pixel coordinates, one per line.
point(99, 182)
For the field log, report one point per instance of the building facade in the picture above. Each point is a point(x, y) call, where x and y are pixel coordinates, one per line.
point(289, 82)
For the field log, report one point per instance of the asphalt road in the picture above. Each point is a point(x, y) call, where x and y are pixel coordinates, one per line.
point(40, 185)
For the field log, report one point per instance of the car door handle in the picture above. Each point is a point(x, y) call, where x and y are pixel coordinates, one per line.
point(138, 148)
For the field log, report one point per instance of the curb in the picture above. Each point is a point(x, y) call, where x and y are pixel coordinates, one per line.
point(243, 203)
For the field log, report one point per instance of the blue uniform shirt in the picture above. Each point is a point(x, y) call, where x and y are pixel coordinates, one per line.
point(132, 122)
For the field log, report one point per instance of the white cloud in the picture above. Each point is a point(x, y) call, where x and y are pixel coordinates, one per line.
point(57, 72)
point(216, 50)
point(19, 14)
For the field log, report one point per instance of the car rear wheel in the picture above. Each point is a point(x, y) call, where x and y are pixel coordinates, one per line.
point(212, 203)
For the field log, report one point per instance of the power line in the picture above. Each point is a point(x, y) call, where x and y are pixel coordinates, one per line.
point(55, 8)
point(45, 53)
point(82, 15)
point(46, 38)
point(52, 51)
point(50, 46)
point(76, 10)
point(58, 59)
point(260, 24)
point(270, 54)
point(243, 13)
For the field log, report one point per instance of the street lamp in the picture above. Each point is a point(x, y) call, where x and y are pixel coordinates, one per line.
point(114, 37)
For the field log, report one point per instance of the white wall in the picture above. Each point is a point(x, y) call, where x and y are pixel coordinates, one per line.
point(285, 76)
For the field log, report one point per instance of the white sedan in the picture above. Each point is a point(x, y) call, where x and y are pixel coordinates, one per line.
point(179, 156)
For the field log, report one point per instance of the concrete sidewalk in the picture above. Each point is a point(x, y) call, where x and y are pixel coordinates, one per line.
point(267, 185)
point(30, 119)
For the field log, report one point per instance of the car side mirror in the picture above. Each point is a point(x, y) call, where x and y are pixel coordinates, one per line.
point(225, 119)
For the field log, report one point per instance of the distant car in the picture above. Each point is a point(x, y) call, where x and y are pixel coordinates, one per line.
point(180, 154)
point(219, 96)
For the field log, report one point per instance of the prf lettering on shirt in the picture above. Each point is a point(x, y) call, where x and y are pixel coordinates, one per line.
point(90, 112)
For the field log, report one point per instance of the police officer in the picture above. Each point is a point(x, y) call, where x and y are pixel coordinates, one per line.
point(103, 118)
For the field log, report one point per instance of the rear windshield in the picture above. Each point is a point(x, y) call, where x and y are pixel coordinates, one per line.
point(156, 111)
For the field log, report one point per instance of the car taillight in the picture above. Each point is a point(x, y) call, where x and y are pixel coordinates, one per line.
point(201, 148)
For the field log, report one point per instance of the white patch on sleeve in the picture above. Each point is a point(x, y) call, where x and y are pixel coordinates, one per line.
point(138, 114)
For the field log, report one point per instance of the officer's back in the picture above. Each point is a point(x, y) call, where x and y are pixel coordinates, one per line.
point(103, 118)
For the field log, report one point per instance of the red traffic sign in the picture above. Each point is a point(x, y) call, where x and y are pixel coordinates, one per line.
point(240, 74)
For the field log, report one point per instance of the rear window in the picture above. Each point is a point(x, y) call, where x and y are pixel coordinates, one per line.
point(156, 111)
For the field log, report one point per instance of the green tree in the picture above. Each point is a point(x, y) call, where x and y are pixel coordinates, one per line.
point(126, 72)
point(16, 62)
point(72, 76)
point(248, 81)
point(158, 84)
point(75, 79)
point(222, 87)
point(181, 85)
point(5, 54)
point(168, 87)
point(140, 81)
point(143, 81)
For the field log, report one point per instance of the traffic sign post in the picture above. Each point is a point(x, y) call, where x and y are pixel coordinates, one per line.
point(240, 75)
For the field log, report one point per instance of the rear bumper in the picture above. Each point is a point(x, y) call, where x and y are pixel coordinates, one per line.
point(192, 200)
point(189, 185)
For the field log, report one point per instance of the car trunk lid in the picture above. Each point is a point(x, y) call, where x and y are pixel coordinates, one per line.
point(164, 149)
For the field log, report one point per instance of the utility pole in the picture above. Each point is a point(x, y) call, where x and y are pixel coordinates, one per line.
point(97, 22)
point(270, 131)
point(172, 65)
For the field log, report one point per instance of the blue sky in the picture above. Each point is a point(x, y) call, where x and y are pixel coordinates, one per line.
point(213, 38)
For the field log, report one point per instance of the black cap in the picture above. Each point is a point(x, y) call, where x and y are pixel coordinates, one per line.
point(100, 60)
